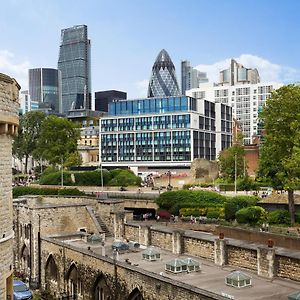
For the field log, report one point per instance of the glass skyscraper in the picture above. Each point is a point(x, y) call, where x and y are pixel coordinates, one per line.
point(74, 64)
point(45, 88)
point(163, 82)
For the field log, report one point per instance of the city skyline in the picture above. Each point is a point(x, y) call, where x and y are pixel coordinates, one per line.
point(206, 34)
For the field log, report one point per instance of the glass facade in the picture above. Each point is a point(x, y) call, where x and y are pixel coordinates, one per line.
point(163, 81)
point(45, 87)
point(74, 64)
point(152, 106)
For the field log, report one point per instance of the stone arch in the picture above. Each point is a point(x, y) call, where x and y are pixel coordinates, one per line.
point(51, 270)
point(101, 290)
point(51, 274)
point(74, 284)
point(135, 295)
point(25, 258)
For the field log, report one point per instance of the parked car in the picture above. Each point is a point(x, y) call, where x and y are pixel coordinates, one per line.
point(21, 291)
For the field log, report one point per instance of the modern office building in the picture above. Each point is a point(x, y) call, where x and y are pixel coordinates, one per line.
point(102, 98)
point(45, 88)
point(246, 100)
point(163, 132)
point(26, 104)
point(238, 74)
point(191, 78)
point(74, 63)
point(163, 82)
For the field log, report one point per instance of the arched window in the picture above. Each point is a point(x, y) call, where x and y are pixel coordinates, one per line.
point(135, 295)
point(73, 280)
point(51, 271)
point(101, 291)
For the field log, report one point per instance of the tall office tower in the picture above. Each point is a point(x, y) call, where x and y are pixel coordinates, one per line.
point(45, 88)
point(238, 74)
point(102, 98)
point(163, 82)
point(9, 121)
point(74, 64)
point(191, 78)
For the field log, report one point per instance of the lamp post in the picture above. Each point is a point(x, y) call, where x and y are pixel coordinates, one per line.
point(235, 172)
point(62, 172)
point(169, 175)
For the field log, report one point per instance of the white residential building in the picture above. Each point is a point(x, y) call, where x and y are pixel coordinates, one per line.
point(246, 100)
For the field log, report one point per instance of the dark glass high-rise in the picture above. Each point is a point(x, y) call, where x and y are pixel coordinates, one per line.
point(75, 65)
point(45, 88)
point(163, 81)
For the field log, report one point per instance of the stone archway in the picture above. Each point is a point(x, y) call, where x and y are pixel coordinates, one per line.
point(51, 275)
point(135, 295)
point(74, 284)
point(25, 259)
point(101, 291)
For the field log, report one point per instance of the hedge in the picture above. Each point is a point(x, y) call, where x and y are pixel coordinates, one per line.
point(27, 190)
point(173, 201)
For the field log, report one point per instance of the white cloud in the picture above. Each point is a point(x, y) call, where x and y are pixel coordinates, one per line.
point(268, 71)
point(11, 67)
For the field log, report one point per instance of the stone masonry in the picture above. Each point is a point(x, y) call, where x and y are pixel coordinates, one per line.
point(9, 94)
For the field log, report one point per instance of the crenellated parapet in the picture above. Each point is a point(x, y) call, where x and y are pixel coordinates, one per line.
point(9, 105)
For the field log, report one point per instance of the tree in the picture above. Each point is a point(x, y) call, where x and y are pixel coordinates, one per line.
point(25, 143)
point(74, 159)
point(280, 155)
point(228, 158)
point(58, 139)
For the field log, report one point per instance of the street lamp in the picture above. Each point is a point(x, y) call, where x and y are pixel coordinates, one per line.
point(235, 172)
point(62, 172)
point(169, 175)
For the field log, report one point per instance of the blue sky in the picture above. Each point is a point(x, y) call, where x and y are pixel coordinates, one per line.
point(127, 35)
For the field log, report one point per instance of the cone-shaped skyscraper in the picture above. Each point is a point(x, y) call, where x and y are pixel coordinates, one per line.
point(163, 82)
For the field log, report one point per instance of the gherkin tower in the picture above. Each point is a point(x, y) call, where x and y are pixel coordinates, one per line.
point(163, 82)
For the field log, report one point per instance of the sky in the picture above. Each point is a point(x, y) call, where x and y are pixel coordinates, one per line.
point(127, 35)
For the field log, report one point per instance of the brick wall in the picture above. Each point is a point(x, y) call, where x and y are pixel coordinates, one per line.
point(288, 267)
point(199, 248)
point(242, 257)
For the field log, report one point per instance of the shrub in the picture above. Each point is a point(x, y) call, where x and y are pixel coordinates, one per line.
point(279, 217)
point(70, 192)
point(250, 215)
point(55, 178)
point(92, 178)
point(203, 184)
point(124, 178)
point(234, 204)
point(246, 184)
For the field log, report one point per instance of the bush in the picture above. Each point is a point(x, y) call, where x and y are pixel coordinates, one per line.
point(124, 178)
point(246, 184)
point(92, 178)
point(55, 178)
point(203, 184)
point(234, 204)
point(279, 217)
point(250, 215)
point(70, 192)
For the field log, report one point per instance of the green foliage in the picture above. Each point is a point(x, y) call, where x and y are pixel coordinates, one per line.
point(92, 178)
point(202, 184)
point(297, 218)
point(175, 200)
point(280, 153)
point(250, 215)
point(196, 212)
point(58, 139)
point(74, 159)
point(230, 157)
point(124, 178)
point(27, 190)
point(213, 213)
point(234, 204)
point(55, 179)
point(25, 143)
point(279, 217)
point(246, 184)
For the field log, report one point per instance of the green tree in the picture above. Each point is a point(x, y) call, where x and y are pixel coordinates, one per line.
point(280, 155)
point(58, 139)
point(227, 160)
point(25, 142)
point(74, 159)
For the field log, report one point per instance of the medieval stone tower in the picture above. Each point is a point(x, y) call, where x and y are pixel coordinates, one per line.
point(9, 120)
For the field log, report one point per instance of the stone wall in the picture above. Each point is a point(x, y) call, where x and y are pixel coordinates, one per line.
point(117, 279)
point(197, 247)
point(9, 95)
point(161, 239)
point(288, 267)
point(242, 257)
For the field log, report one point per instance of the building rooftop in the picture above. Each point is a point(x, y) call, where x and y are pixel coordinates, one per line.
point(210, 278)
